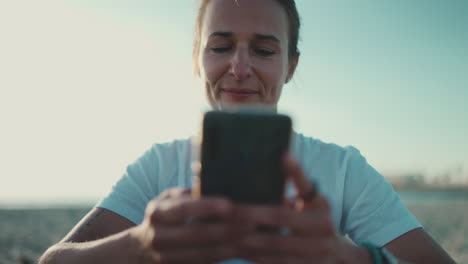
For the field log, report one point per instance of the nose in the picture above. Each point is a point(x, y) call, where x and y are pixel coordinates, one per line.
point(240, 66)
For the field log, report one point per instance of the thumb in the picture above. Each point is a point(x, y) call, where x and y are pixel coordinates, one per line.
point(307, 192)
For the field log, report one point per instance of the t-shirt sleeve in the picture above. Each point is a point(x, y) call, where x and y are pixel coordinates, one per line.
point(130, 195)
point(373, 212)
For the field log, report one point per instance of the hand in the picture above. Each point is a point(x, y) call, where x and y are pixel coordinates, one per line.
point(311, 236)
point(172, 233)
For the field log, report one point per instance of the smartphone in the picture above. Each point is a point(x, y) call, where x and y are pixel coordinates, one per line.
point(241, 156)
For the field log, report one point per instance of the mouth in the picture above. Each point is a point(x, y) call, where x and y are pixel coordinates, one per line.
point(239, 94)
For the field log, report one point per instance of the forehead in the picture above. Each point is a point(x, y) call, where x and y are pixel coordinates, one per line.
point(246, 17)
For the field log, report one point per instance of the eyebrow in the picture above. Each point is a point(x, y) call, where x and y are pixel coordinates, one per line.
point(267, 37)
point(226, 34)
point(223, 34)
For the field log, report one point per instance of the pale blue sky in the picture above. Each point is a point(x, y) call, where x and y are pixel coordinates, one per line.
point(87, 86)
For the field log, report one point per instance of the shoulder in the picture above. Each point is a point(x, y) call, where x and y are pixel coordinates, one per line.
point(176, 145)
point(162, 166)
point(308, 149)
point(165, 151)
point(166, 161)
point(159, 167)
point(329, 164)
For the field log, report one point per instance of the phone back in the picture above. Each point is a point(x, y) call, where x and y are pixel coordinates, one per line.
point(241, 156)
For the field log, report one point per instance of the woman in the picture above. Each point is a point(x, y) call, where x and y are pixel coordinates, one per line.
point(245, 51)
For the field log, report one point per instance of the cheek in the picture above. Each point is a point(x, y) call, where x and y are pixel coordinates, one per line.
point(273, 76)
point(211, 69)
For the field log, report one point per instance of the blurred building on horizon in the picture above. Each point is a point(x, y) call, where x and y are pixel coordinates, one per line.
point(455, 178)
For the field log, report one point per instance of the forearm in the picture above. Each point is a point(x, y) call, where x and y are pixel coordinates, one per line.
point(118, 248)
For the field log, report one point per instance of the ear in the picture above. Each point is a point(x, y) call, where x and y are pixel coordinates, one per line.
point(292, 67)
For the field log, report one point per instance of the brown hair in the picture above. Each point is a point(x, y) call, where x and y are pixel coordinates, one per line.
point(289, 7)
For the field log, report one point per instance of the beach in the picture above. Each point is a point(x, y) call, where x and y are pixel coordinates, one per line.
point(26, 233)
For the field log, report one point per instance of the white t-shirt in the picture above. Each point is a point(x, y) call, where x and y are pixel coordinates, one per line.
point(364, 205)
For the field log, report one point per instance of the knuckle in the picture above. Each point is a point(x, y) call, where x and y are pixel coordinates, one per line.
point(156, 206)
point(152, 205)
point(172, 193)
point(155, 214)
point(178, 191)
point(165, 194)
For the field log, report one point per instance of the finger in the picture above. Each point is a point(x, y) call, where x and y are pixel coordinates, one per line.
point(167, 237)
point(205, 254)
point(301, 223)
point(304, 187)
point(281, 245)
point(318, 203)
point(173, 193)
point(295, 172)
point(179, 211)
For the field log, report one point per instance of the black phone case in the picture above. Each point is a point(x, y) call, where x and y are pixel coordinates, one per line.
point(241, 156)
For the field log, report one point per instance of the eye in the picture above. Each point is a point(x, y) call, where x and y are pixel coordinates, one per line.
point(220, 49)
point(264, 52)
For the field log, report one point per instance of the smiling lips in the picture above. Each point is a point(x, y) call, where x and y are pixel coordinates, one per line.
point(239, 94)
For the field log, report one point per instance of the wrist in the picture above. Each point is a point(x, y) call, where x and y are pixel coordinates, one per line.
point(139, 242)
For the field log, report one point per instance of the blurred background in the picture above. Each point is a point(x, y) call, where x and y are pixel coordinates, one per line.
point(87, 86)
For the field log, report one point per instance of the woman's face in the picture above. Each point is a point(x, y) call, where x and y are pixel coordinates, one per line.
point(244, 52)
